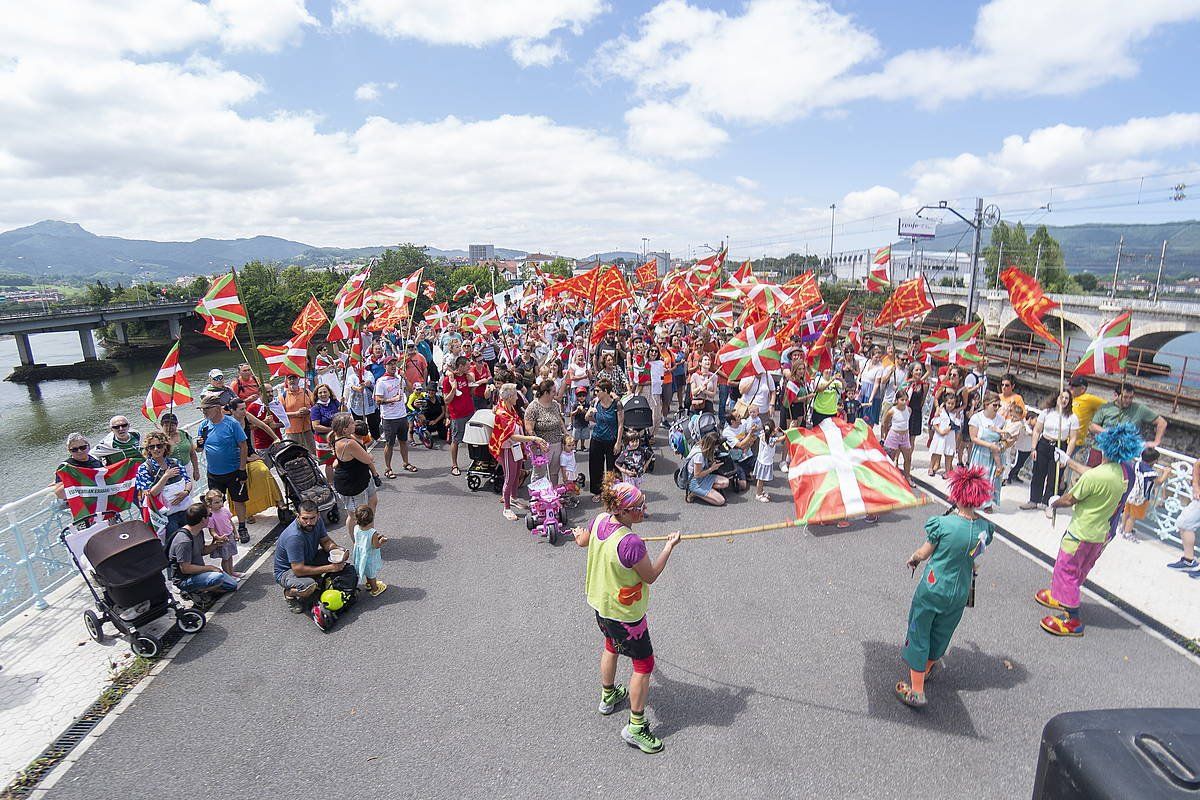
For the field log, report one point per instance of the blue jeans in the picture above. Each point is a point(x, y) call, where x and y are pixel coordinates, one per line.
point(722, 401)
point(208, 582)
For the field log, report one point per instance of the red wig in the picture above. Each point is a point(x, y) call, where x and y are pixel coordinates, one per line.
point(969, 487)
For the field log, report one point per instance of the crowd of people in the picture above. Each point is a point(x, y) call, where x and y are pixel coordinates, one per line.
point(553, 393)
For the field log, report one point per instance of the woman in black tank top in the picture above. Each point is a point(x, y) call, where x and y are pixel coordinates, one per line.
point(353, 466)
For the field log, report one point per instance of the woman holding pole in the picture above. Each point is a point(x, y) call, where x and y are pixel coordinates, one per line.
point(619, 571)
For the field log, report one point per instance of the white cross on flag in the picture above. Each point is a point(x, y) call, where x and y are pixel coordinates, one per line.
point(954, 345)
point(753, 352)
point(1109, 351)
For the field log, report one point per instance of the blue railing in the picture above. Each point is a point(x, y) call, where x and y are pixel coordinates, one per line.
point(33, 562)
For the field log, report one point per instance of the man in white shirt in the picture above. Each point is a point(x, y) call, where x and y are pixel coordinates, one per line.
point(391, 394)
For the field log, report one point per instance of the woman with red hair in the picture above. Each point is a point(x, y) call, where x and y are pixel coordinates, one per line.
point(954, 541)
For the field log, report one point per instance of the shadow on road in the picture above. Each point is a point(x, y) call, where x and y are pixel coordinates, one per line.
point(681, 705)
point(410, 548)
point(967, 669)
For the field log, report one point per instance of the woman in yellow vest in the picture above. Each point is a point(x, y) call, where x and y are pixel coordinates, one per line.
point(619, 572)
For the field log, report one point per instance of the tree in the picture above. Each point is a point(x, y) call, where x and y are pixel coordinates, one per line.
point(98, 294)
point(1087, 281)
point(1040, 254)
point(560, 266)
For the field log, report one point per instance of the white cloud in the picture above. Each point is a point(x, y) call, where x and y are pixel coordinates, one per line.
point(820, 60)
point(262, 24)
point(474, 23)
point(662, 129)
point(745, 183)
point(530, 53)
point(1060, 154)
point(370, 92)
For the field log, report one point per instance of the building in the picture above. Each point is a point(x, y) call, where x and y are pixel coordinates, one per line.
point(663, 259)
point(538, 260)
point(480, 252)
point(853, 265)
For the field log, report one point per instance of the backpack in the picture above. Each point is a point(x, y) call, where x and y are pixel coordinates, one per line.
point(682, 479)
point(1143, 485)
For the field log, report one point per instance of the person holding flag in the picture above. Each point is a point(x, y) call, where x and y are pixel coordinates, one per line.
point(79, 454)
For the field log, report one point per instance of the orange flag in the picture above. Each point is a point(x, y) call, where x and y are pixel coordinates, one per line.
point(911, 299)
point(804, 291)
point(820, 354)
point(580, 285)
point(647, 274)
point(311, 318)
point(610, 320)
point(679, 302)
point(1028, 300)
point(610, 288)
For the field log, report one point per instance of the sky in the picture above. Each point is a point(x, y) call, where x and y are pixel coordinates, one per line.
point(576, 126)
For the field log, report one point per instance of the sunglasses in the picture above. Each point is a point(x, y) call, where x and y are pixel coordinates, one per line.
point(120, 427)
point(158, 446)
point(79, 448)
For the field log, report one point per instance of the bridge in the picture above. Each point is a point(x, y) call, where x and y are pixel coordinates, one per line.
point(1154, 323)
point(86, 319)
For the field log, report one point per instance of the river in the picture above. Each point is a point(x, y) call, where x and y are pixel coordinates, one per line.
point(39, 417)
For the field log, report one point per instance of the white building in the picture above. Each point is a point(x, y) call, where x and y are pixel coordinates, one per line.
point(663, 259)
point(480, 252)
point(853, 265)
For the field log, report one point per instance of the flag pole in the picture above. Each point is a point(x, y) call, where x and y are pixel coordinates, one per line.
point(1062, 380)
point(791, 523)
point(249, 327)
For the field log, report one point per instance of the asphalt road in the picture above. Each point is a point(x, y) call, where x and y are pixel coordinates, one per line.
point(475, 674)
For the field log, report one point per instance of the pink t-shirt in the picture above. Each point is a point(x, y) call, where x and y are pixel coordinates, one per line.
point(221, 523)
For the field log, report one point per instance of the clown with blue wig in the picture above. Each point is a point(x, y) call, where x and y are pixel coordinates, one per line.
point(1097, 500)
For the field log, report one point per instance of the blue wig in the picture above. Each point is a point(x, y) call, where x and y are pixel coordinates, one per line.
point(1120, 442)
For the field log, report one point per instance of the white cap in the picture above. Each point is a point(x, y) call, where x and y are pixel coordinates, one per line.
point(215, 373)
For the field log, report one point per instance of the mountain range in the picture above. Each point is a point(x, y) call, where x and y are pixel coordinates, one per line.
point(65, 248)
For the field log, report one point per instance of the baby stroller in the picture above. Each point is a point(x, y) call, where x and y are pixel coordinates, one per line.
point(547, 517)
point(126, 561)
point(303, 479)
point(484, 468)
point(639, 420)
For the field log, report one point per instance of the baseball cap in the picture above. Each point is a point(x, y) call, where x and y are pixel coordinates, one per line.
point(215, 373)
point(211, 401)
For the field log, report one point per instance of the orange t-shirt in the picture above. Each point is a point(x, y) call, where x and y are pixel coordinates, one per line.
point(294, 401)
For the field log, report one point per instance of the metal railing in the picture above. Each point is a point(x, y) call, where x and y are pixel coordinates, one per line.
point(1170, 498)
point(67, 310)
point(33, 562)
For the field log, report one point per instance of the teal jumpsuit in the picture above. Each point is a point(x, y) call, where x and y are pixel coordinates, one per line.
point(941, 596)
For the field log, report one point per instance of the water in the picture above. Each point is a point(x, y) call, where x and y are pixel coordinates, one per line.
point(38, 417)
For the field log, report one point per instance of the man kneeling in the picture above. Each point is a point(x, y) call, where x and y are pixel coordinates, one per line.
point(186, 555)
point(302, 558)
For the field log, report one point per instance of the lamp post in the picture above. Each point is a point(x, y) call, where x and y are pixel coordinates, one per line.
point(832, 217)
point(977, 224)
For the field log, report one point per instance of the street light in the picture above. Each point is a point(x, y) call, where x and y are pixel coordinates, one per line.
point(981, 219)
point(832, 217)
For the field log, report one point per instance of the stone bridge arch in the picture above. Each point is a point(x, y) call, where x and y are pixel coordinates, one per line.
point(1146, 339)
point(1018, 333)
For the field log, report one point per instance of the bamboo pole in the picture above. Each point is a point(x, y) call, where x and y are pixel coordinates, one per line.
point(791, 523)
point(1062, 381)
point(249, 329)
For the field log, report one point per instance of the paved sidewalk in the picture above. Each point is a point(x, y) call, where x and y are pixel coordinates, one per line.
point(50, 671)
point(1136, 572)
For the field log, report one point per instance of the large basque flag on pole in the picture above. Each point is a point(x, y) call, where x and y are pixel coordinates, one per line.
point(752, 352)
point(169, 389)
point(1108, 353)
point(838, 470)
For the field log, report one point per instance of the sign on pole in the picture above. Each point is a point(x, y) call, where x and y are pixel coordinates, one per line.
point(916, 228)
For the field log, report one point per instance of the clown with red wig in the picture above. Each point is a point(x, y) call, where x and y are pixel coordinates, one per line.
point(954, 542)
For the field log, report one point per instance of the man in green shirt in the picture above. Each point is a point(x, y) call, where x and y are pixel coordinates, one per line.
point(828, 393)
point(1097, 500)
point(1124, 408)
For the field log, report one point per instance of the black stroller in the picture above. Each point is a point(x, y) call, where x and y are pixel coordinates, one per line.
point(127, 561)
point(484, 468)
point(303, 479)
point(639, 429)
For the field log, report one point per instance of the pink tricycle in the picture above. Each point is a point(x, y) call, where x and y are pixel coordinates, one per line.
point(547, 518)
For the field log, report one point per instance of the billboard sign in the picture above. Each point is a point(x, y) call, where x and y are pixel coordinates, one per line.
point(917, 228)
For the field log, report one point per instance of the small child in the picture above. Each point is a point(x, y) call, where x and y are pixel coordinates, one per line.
point(568, 465)
point(768, 444)
point(220, 525)
point(943, 432)
point(365, 556)
point(1152, 476)
point(1021, 429)
point(579, 424)
point(631, 462)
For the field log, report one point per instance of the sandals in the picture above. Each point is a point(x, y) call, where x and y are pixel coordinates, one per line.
point(906, 695)
point(455, 471)
point(390, 474)
point(409, 468)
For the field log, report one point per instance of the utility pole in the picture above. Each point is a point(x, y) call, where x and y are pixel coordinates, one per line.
point(971, 289)
point(1037, 263)
point(1112, 290)
point(1162, 259)
point(999, 264)
point(832, 217)
point(645, 242)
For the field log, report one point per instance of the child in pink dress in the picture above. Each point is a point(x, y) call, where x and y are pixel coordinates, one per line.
point(220, 525)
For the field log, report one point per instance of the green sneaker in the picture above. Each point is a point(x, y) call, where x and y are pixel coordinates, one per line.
point(642, 739)
point(610, 700)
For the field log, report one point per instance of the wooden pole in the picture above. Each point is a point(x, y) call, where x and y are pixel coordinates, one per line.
point(249, 330)
point(1062, 381)
point(791, 523)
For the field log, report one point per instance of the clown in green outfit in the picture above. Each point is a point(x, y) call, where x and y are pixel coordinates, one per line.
point(954, 541)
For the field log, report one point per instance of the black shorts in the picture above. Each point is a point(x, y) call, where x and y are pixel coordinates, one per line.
point(234, 487)
point(623, 642)
point(395, 430)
